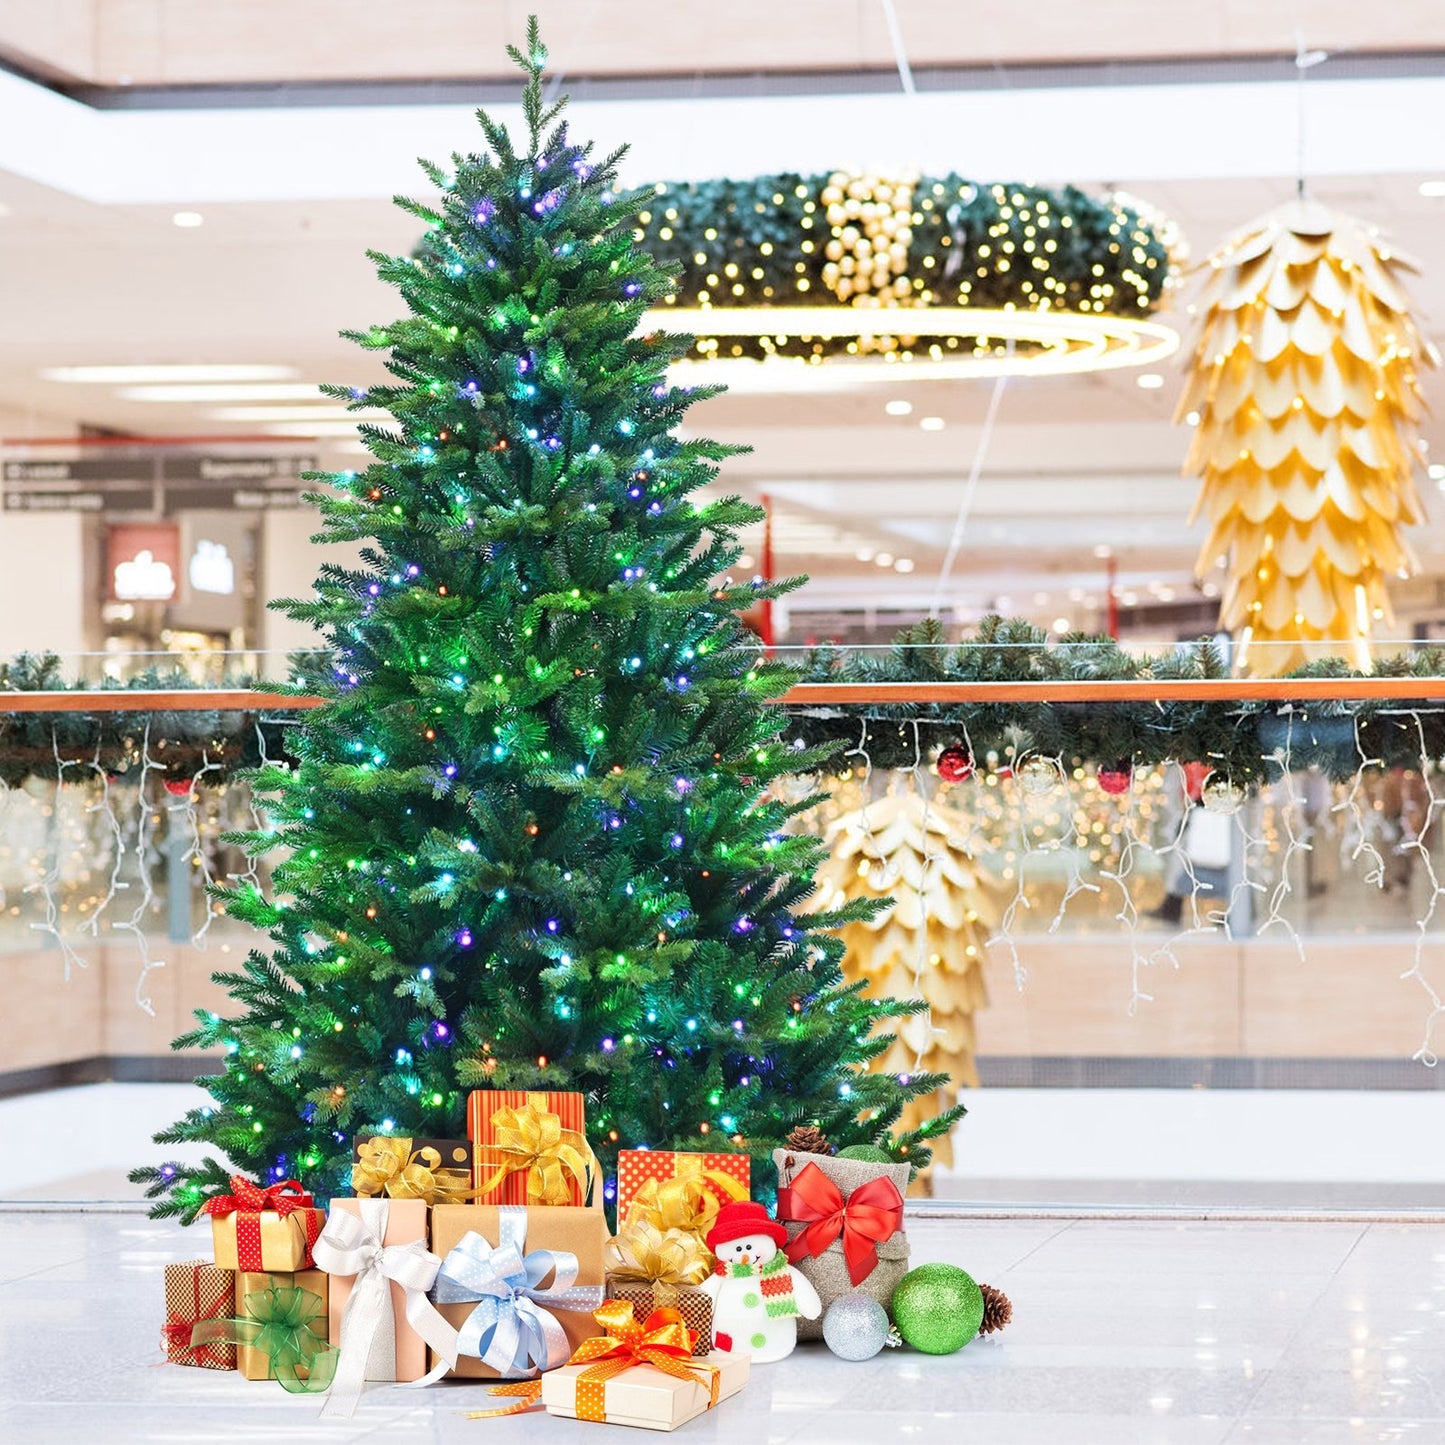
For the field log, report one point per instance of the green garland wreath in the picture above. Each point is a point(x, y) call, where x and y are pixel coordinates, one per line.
point(765, 242)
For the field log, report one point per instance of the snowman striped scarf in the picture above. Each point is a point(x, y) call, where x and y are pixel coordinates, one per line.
point(775, 1284)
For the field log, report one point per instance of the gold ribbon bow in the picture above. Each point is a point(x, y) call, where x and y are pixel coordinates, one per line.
point(389, 1166)
point(668, 1260)
point(532, 1138)
point(682, 1204)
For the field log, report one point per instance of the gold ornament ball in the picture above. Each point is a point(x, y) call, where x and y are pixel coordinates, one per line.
point(1039, 776)
point(1222, 795)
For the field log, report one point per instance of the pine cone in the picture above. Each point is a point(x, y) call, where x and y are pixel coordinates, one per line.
point(998, 1310)
point(808, 1140)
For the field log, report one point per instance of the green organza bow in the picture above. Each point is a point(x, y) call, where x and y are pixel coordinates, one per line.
point(279, 1323)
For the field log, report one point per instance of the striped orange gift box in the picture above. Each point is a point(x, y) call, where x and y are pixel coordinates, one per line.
point(530, 1146)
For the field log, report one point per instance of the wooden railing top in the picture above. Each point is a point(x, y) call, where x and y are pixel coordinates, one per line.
point(819, 694)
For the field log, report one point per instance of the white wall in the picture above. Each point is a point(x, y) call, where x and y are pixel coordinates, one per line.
point(43, 583)
point(290, 562)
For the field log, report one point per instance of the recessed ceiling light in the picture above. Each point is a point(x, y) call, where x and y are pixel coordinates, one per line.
point(903, 564)
point(745, 560)
point(884, 559)
point(864, 554)
point(121, 375)
point(1062, 624)
point(1432, 188)
point(1165, 594)
point(260, 391)
point(1437, 471)
point(1103, 551)
point(932, 423)
point(899, 408)
point(1149, 381)
point(1192, 419)
point(188, 220)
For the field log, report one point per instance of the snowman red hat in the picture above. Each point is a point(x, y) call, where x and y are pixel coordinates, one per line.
point(742, 1219)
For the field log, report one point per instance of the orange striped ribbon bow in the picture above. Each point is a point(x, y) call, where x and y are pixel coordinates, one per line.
point(662, 1340)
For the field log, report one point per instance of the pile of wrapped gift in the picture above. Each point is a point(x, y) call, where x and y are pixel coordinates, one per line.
point(483, 1259)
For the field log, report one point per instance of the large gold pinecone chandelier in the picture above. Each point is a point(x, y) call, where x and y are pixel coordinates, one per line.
point(1305, 379)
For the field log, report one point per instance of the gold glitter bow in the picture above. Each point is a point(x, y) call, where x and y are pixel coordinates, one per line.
point(390, 1166)
point(685, 1204)
point(668, 1260)
point(532, 1138)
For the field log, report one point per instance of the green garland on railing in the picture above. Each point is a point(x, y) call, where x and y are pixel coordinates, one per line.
point(118, 743)
point(1236, 738)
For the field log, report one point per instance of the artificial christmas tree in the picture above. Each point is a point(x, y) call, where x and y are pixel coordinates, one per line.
point(527, 843)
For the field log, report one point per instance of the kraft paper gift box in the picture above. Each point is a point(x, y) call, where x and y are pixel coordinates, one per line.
point(254, 1363)
point(727, 1177)
point(490, 1137)
point(198, 1290)
point(844, 1219)
point(271, 1229)
point(400, 1354)
point(581, 1232)
point(644, 1396)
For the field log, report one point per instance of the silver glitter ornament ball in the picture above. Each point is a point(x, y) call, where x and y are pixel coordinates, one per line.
point(855, 1327)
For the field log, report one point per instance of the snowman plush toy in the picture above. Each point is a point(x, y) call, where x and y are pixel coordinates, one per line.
point(757, 1296)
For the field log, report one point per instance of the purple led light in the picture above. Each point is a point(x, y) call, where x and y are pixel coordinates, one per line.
point(483, 212)
point(442, 1031)
point(465, 938)
point(450, 770)
point(608, 1046)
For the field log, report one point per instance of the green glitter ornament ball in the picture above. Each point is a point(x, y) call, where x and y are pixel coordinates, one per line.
point(937, 1308)
point(867, 1153)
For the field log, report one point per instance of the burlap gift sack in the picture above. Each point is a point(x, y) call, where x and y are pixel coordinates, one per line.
point(828, 1272)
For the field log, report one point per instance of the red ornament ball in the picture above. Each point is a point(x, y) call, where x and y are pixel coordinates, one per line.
point(955, 764)
point(178, 787)
point(1116, 779)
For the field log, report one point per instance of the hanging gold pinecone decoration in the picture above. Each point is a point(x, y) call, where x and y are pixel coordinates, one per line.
point(929, 945)
point(1305, 382)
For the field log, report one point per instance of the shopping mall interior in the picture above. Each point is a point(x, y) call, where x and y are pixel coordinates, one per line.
point(1034, 540)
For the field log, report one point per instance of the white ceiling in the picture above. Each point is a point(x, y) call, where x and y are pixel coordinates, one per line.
point(1074, 464)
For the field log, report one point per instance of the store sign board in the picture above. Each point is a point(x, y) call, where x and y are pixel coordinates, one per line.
point(235, 471)
point(77, 501)
point(243, 499)
point(90, 471)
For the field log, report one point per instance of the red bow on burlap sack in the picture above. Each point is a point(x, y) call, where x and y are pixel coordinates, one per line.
point(871, 1214)
point(248, 1201)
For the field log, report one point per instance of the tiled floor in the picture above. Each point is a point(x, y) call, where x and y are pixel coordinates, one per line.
point(1126, 1332)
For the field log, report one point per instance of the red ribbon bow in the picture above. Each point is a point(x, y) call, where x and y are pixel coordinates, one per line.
point(871, 1214)
point(249, 1198)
